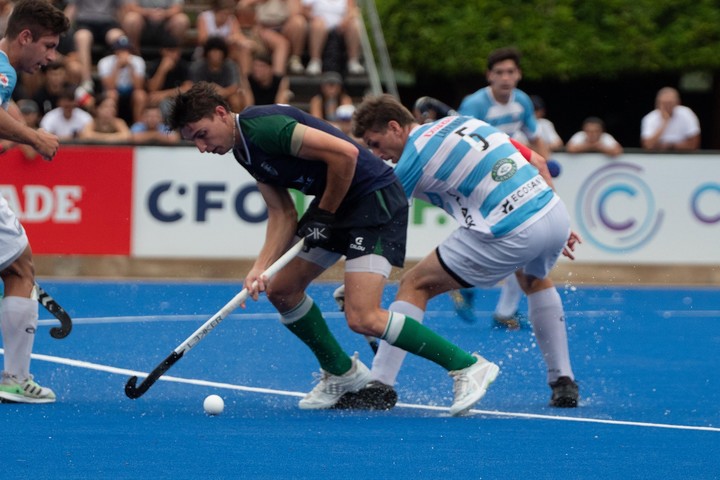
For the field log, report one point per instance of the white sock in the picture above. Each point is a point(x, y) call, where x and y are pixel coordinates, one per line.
point(389, 359)
point(510, 295)
point(18, 322)
point(548, 321)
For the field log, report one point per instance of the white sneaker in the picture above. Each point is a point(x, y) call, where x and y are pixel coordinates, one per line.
point(331, 387)
point(26, 391)
point(471, 383)
point(355, 67)
point(314, 67)
point(339, 296)
point(295, 65)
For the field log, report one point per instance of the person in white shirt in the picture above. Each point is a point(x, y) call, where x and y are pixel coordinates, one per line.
point(67, 120)
point(123, 78)
point(670, 126)
point(594, 138)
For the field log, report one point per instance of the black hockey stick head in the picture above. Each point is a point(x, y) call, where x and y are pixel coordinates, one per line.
point(57, 311)
point(133, 390)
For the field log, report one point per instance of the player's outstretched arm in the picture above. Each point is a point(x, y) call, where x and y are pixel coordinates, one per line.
point(44, 142)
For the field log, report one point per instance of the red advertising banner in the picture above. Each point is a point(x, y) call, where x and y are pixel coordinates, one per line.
point(79, 204)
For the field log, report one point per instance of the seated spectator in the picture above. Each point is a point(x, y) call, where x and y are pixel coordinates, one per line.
point(220, 21)
point(149, 22)
point(593, 138)
point(151, 129)
point(324, 105)
point(265, 86)
point(546, 128)
point(282, 27)
point(217, 69)
point(67, 120)
point(168, 74)
point(670, 126)
point(339, 17)
point(94, 21)
point(54, 81)
point(30, 112)
point(343, 120)
point(123, 77)
point(105, 126)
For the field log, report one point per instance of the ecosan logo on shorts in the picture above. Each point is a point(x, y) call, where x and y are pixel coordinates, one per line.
point(616, 209)
point(503, 169)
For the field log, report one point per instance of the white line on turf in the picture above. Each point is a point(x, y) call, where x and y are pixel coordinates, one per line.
point(711, 314)
point(168, 378)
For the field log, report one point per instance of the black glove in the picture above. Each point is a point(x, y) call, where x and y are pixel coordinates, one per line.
point(316, 227)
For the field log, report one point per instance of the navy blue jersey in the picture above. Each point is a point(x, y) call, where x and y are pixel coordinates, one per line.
point(267, 155)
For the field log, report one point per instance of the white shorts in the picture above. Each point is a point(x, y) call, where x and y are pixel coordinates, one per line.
point(475, 260)
point(13, 239)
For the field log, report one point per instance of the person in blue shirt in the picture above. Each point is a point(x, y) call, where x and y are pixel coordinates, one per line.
point(509, 109)
point(509, 220)
point(30, 42)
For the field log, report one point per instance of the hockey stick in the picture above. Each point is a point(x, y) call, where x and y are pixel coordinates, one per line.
point(56, 310)
point(339, 296)
point(133, 391)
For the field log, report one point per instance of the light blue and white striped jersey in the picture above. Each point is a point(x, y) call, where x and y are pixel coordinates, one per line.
point(8, 80)
point(473, 172)
point(518, 115)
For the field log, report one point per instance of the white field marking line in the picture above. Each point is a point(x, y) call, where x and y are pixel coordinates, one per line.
point(230, 386)
point(337, 315)
point(172, 318)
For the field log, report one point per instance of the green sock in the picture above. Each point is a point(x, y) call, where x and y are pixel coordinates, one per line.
point(416, 338)
point(312, 329)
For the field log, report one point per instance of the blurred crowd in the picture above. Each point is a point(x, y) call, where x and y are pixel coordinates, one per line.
point(124, 59)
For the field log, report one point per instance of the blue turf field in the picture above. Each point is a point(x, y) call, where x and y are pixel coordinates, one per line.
point(646, 359)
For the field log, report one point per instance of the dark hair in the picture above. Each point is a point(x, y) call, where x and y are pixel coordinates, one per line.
point(67, 92)
point(375, 112)
point(38, 16)
point(502, 54)
point(215, 43)
point(197, 103)
point(596, 121)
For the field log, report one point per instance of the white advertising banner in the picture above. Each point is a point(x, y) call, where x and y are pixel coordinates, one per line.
point(192, 205)
point(638, 208)
point(644, 208)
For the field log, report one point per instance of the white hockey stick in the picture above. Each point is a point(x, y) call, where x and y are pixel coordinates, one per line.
point(133, 391)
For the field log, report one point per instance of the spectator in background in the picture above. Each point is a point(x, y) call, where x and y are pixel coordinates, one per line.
point(546, 128)
point(151, 129)
point(343, 120)
point(216, 68)
point(123, 77)
point(670, 126)
point(282, 27)
point(106, 126)
point(95, 21)
point(67, 120)
point(30, 112)
point(168, 74)
point(266, 86)
point(340, 17)
point(148, 22)
point(594, 138)
point(510, 110)
point(220, 21)
point(54, 82)
point(324, 104)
